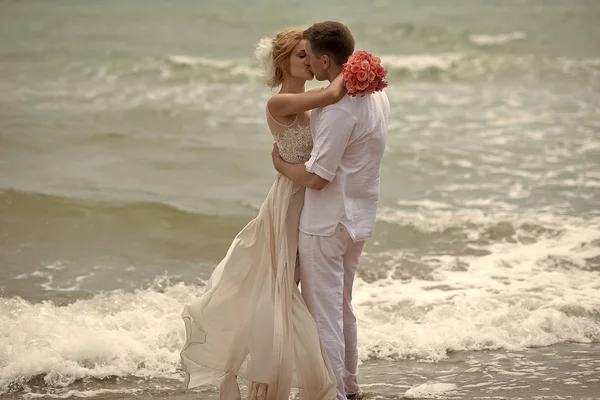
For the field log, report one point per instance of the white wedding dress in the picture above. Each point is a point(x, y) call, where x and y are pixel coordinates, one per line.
point(251, 323)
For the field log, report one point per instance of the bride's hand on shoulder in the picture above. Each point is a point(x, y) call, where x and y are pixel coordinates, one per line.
point(337, 88)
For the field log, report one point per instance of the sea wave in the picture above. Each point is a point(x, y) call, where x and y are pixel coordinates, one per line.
point(462, 66)
point(140, 333)
point(185, 80)
point(24, 204)
point(475, 219)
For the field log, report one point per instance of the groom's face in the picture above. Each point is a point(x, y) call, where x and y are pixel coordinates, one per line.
point(314, 62)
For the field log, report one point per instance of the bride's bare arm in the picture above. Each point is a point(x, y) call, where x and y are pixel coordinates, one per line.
point(284, 104)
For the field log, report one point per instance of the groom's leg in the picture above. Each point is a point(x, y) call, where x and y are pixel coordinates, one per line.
point(351, 257)
point(322, 284)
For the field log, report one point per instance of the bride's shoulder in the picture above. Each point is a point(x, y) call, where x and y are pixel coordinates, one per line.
point(275, 101)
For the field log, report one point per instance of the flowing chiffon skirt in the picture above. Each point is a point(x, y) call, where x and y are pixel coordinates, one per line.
point(251, 323)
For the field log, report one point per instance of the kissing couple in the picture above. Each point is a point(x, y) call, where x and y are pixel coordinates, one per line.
point(277, 310)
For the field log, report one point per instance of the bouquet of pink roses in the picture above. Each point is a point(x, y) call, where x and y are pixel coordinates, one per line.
point(363, 74)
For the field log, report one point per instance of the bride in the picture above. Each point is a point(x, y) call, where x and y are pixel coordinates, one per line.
point(251, 323)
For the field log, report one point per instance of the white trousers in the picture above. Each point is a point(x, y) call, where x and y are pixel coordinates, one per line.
point(327, 269)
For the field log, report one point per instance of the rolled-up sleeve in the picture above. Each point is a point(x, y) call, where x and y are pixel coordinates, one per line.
point(334, 129)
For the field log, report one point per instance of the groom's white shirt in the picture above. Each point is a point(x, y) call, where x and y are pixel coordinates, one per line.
point(348, 145)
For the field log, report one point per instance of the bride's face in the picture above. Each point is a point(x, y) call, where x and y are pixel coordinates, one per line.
point(298, 67)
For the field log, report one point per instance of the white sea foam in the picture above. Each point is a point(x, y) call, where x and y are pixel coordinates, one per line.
point(491, 40)
point(199, 61)
point(530, 291)
point(234, 67)
point(82, 394)
point(421, 62)
point(424, 204)
point(430, 390)
point(111, 334)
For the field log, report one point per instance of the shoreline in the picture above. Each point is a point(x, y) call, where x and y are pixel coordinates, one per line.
point(562, 371)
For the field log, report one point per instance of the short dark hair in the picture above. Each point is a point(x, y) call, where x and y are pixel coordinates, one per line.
point(331, 38)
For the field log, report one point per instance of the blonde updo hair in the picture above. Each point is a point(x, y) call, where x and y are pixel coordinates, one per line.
point(283, 45)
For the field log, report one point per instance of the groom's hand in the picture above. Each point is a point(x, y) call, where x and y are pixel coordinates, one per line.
point(276, 156)
point(297, 172)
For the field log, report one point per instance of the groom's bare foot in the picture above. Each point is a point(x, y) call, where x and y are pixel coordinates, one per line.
point(356, 396)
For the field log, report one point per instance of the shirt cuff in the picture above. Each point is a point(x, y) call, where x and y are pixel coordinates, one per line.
point(312, 166)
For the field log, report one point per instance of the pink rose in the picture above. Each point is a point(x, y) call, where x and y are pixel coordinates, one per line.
point(380, 72)
point(362, 76)
point(350, 87)
point(371, 76)
point(365, 65)
point(362, 85)
point(375, 62)
point(360, 54)
point(355, 68)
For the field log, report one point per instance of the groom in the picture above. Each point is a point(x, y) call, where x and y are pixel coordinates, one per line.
point(342, 181)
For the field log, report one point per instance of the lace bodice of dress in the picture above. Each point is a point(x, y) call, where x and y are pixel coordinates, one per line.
point(294, 143)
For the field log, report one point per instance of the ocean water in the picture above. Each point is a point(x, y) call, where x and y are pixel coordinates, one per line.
point(133, 147)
